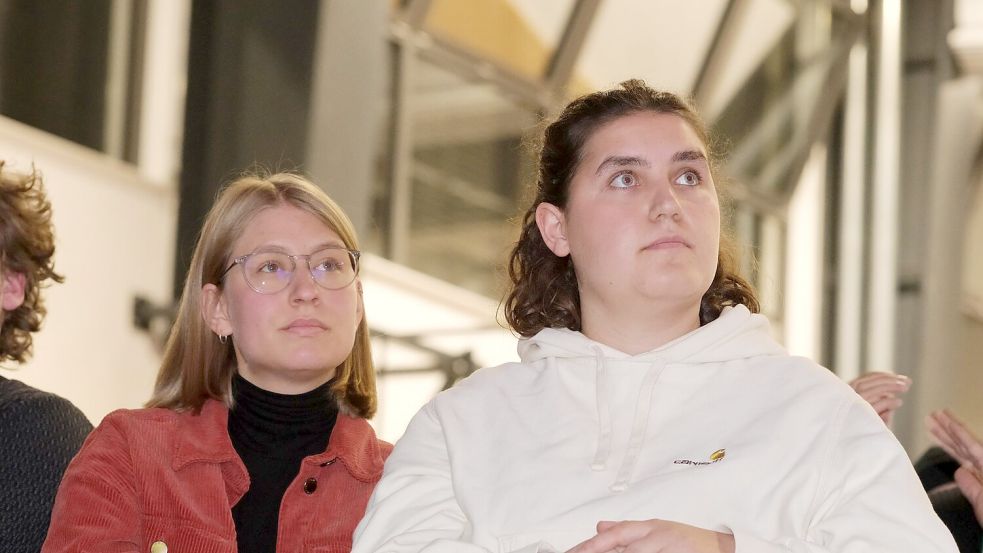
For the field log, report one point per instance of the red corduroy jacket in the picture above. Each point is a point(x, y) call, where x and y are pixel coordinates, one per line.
point(162, 481)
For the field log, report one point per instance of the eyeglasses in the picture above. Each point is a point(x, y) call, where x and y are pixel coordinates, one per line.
point(269, 272)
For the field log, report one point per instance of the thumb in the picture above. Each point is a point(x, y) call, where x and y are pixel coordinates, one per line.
point(604, 525)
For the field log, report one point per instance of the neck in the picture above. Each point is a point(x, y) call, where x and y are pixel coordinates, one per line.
point(279, 424)
point(639, 328)
point(298, 382)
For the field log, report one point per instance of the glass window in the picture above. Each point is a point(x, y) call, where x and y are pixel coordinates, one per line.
point(467, 175)
point(467, 168)
point(53, 66)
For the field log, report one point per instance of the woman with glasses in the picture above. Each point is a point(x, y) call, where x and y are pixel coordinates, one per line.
point(255, 439)
point(652, 411)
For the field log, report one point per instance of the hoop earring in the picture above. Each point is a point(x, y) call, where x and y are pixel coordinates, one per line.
point(223, 338)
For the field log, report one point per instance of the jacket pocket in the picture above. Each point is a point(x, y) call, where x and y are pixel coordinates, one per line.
point(173, 536)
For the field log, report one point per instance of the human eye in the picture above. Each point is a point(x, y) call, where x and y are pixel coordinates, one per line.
point(268, 263)
point(624, 180)
point(329, 263)
point(689, 178)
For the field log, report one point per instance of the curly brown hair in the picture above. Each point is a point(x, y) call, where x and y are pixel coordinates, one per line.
point(27, 245)
point(543, 291)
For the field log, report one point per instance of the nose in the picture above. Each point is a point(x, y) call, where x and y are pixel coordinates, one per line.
point(664, 201)
point(302, 286)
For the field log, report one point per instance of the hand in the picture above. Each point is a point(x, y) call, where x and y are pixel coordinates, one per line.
point(958, 441)
point(882, 391)
point(654, 536)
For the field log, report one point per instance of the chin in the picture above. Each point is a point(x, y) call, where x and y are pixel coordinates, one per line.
point(675, 285)
point(306, 362)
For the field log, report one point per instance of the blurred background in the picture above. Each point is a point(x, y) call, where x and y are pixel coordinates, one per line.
point(853, 129)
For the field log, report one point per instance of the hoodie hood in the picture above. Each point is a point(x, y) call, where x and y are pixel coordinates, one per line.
point(735, 334)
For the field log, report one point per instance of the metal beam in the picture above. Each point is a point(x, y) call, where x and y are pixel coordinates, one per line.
point(414, 12)
point(820, 118)
point(564, 59)
point(447, 55)
point(789, 162)
point(717, 53)
point(350, 73)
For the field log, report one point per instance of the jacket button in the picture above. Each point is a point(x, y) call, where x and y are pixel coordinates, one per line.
point(309, 486)
point(158, 547)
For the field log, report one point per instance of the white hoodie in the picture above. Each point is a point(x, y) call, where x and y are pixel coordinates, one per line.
point(720, 429)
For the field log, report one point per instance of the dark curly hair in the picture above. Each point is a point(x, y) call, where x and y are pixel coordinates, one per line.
point(543, 290)
point(27, 245)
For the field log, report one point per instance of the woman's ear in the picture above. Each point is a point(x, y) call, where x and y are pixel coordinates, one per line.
point(552, 226)
point(12, 290)
point(214, 310)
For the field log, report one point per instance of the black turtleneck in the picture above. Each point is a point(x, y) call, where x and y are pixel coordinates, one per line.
point(272, 433)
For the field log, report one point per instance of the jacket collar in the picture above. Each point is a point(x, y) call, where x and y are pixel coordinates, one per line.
point(353, 441)
point(203, 437)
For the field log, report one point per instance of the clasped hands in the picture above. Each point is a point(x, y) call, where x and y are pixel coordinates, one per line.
point(654, 536)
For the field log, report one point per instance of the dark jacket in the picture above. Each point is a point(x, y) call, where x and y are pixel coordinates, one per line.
point(39, 435)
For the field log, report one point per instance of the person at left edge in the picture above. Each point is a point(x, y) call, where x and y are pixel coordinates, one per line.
point(255, 439)
point(39, 431)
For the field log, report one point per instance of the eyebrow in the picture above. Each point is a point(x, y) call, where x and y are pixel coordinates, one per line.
point(689, 155)
point(622, 161)
point(273, 247)
point(635, 161)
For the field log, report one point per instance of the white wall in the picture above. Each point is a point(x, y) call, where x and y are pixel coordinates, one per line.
point(804, 260)
point(115, 240)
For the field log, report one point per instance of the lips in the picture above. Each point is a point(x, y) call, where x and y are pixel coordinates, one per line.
point(305, 327)
point(668, 242)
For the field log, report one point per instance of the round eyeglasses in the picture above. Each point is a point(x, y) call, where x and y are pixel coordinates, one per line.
point(269, 272)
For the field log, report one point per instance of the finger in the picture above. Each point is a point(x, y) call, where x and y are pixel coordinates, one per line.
point(886, 408)
point(968, 448)
point(964, 436)
point(971, 485)
point(604, 525)
point(936, 423)
point(597, 544)
point(619, 534)
point(860, 382)
point(878, 393)
point(940, 425)
point(969, 482)
point(883, 381)
point(887, 404)
point(875, 394)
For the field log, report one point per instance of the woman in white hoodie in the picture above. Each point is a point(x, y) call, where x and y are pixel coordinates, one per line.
point(651, 411)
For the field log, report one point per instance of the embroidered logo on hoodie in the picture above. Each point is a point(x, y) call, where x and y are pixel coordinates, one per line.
point(715, 457)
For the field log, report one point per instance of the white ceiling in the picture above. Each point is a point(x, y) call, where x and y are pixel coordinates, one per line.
point(663, 42)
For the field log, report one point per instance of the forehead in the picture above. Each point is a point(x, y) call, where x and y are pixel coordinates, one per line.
point(286, 226)
point(643, 133)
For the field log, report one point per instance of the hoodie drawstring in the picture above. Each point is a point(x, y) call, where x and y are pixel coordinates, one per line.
point(603, 414)
point(639, 427)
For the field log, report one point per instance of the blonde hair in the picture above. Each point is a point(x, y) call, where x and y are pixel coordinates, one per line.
point(196, 366)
